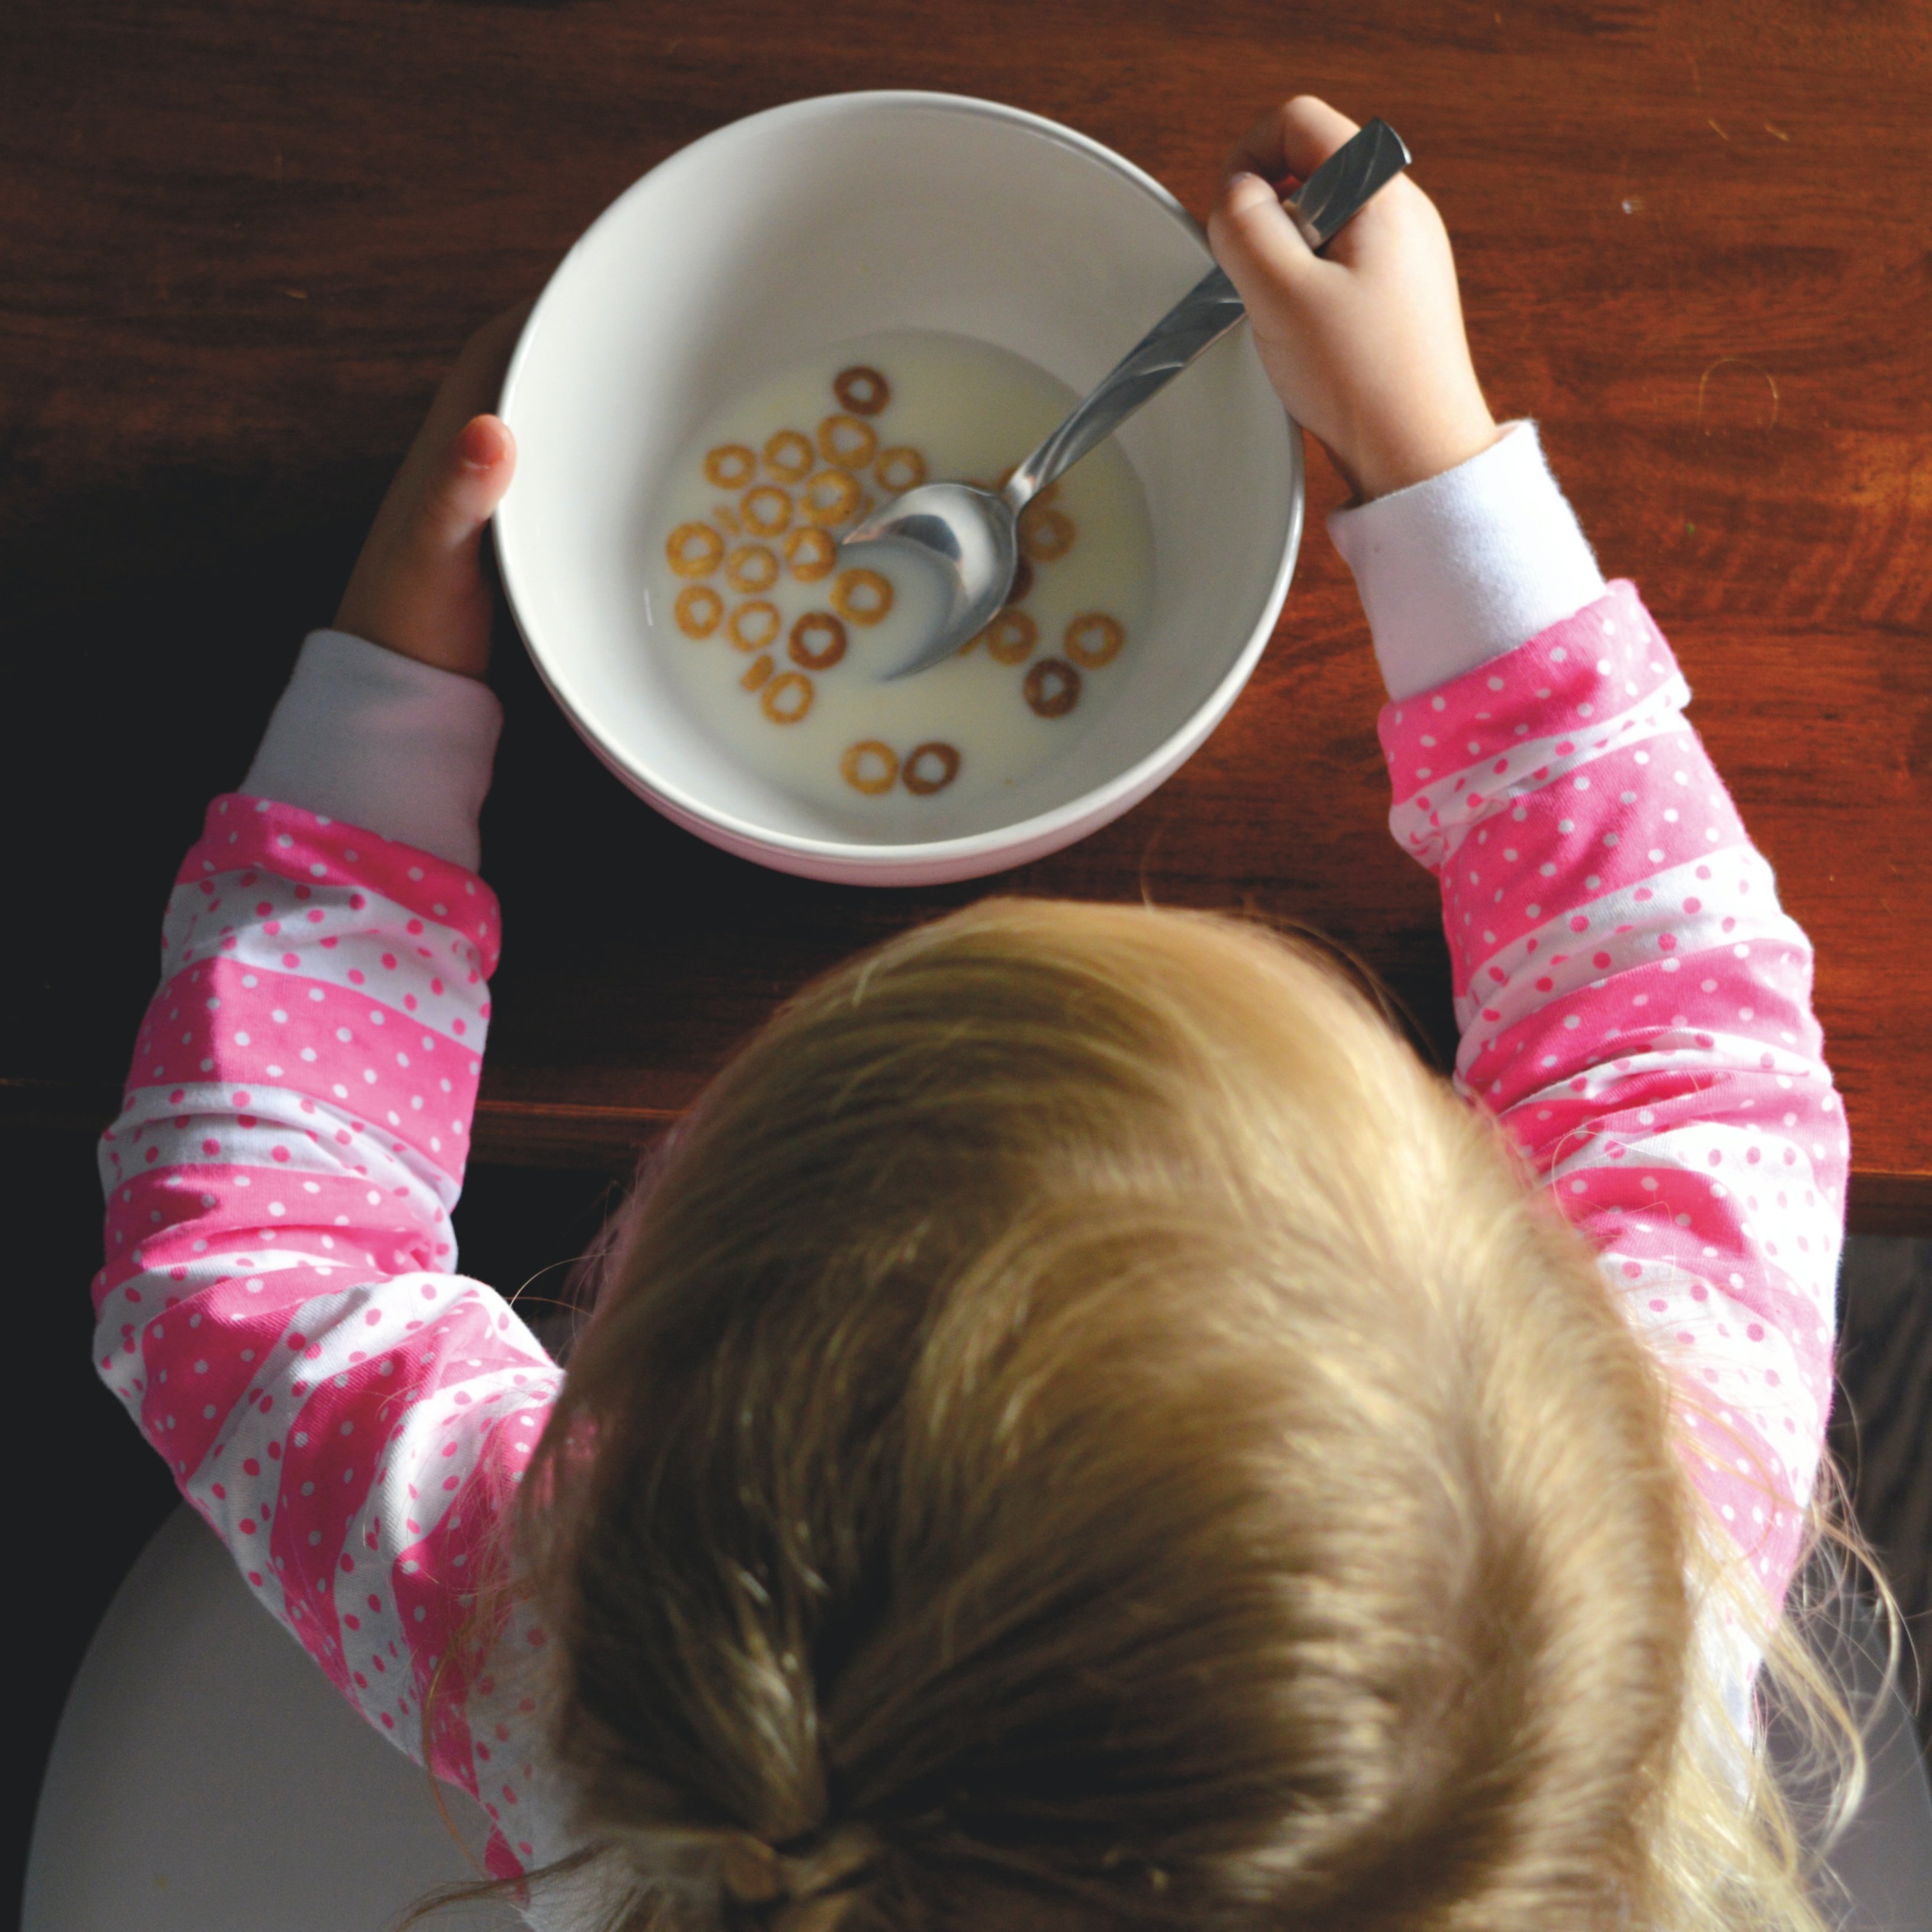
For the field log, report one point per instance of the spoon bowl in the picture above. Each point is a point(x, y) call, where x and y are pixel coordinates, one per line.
point(973, 538)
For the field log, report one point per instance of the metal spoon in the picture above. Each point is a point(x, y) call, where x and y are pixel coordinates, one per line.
point(972, 534)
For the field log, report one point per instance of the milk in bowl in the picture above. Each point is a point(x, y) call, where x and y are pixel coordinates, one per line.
point(779, 645)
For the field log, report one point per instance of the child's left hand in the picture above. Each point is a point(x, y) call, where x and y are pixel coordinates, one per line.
point(418, 587)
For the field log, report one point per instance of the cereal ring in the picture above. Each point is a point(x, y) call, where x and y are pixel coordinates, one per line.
point(817, 640)
point(924, 785)
point(753, 626)
point(885, 766)
point(699, 609)
point(695, 549)
point(1052, 688)
point(862, 391)
point(730, 465)
point(1094, 640)
point(1045, 535)
point(811, 553)
point(752, 567)
point(847, 442)
point(756, 673)
point(787, 698)
point(766, 510)
point(788, 456)
point(830, 497)
point(1022, 582)
point(900, 470)
point(861, 596)
point(1011, 637)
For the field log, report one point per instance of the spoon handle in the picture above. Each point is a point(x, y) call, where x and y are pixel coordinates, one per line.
point(1331, 196)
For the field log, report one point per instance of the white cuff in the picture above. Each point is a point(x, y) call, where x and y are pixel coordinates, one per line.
point(372, 738)
point(1460, 568)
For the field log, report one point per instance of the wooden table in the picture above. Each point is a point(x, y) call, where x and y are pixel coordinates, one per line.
point(241, 242)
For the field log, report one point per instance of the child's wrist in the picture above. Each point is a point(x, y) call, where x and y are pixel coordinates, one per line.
point(372, 737)
point(453, 638)
point(1420, 450)
point(1467, 565)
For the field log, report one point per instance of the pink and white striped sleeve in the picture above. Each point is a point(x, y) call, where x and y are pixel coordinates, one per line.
point(1636, 1008)
point(279, 1310)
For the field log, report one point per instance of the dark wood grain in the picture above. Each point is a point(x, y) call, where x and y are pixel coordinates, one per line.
point(240, 243)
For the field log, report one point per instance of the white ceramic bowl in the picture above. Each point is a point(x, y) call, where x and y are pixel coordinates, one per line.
point(828, 219)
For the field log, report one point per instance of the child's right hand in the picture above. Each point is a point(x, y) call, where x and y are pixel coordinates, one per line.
point(1364, 344)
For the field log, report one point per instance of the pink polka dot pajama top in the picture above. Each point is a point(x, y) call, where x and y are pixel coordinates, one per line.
point(280, 1309)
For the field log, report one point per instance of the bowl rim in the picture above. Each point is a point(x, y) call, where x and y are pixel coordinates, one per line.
point(1093, 808)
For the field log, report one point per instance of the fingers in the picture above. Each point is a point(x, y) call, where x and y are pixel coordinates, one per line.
point(475, 471)
point(1255, 242)
point(475, 378)
point(484, 443)
point(474, 384)
point(418, 587)
point(1294, 139)
point(1312, 130)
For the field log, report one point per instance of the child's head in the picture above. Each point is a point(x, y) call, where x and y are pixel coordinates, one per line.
point(1083, 1427)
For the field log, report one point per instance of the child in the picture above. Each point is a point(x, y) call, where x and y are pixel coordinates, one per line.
point(1079, 1427)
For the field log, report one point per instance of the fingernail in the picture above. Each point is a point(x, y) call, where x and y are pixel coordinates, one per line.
point(478, 446)
point(1244, 190)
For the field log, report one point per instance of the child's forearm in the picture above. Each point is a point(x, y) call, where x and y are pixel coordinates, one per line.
point(1635, 1007)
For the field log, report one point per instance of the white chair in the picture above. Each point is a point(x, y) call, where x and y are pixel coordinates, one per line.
point(206, 1777)
point(1884, 1860)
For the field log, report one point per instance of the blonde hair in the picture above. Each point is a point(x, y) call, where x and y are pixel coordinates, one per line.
point(1082, 1428)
